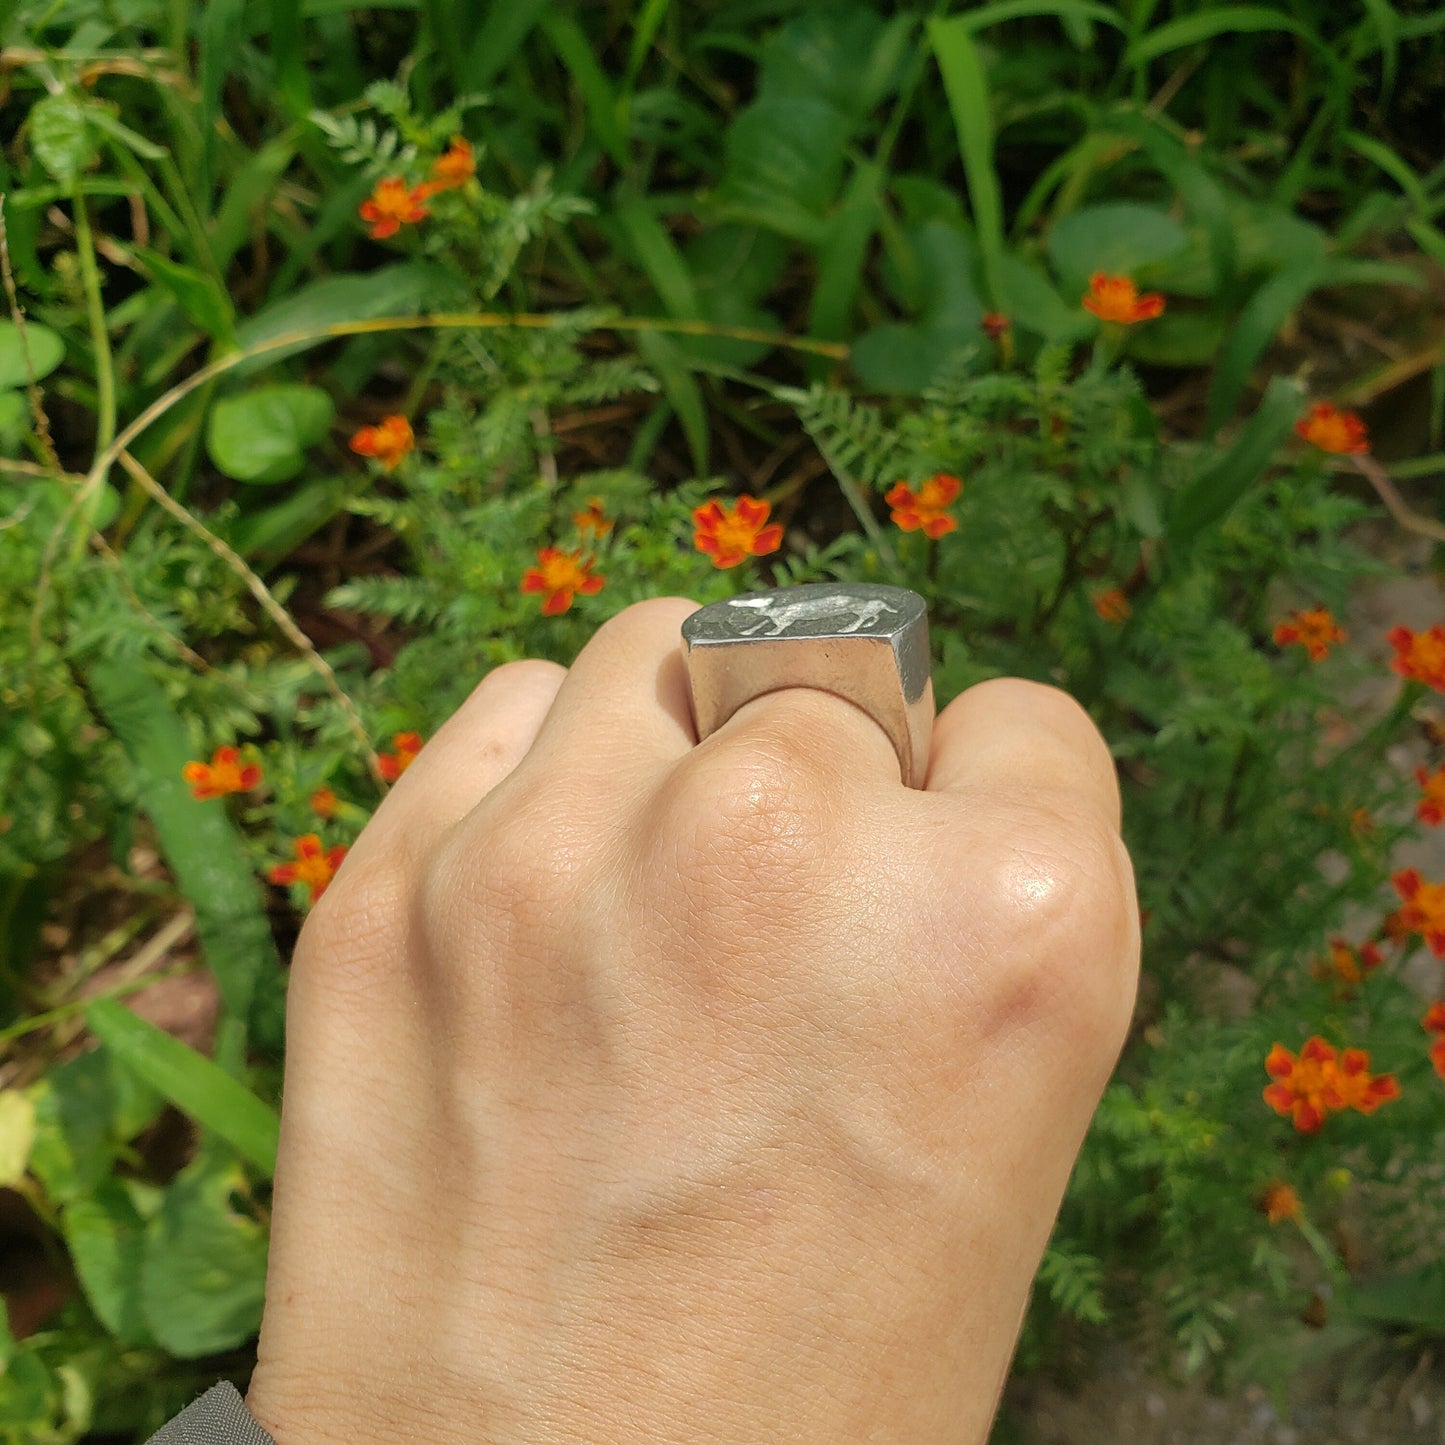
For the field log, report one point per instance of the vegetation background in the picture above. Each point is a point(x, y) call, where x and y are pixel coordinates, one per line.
point(350, 352)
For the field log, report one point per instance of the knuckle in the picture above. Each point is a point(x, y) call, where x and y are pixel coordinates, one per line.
point(351, 938)
point(1068, 958)
point(743, 818)
point(523, 675)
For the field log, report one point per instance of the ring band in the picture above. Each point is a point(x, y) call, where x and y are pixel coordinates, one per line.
point(858, 640)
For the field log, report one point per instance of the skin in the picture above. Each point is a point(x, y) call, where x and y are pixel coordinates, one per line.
point(653, 1091)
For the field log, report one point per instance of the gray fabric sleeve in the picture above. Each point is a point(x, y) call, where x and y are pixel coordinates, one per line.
point(219, 1417)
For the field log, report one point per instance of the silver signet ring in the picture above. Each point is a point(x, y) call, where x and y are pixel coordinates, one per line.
point(862, 641)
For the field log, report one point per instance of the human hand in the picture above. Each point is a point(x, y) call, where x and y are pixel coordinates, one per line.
point(646, 1090)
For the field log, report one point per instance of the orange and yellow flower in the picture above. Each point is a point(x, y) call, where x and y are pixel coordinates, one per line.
point(393, 765)
point(225, 773)
point(1112, 605)
point(1347, 965)
point(1320, 1082)
point(1280, 1202)
point(1424, 909)
point(1306, 1086)
point(1332, 430)
point(995, 325)
point(1419, 655)
point(1117, 299)
point(324, 803)
point(1359, 1088)
point(387, 442)
point(926, 509)
point(453, 168)
point(1314, 629)
point(560, 575)
point(314, 866)
point(592, 520)
point(391, 205)
point(1431, 808)
point(1434, 1023)
point(732, 535)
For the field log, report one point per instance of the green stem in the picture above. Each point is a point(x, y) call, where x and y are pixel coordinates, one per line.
point(95, 314)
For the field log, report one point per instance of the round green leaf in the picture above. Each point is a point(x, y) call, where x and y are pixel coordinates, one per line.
point(262, 435)
point(46, 349)
point(61, 137)
point(1117, 238)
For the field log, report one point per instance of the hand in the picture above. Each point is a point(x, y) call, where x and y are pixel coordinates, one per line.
point(646, 1090)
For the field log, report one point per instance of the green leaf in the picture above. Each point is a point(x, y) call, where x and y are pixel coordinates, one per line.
point(105, 1233)
point(574, 49)
point(680, 387)
point(273, 530)
point(203, 1277)
point(1072, 12)
point(47, 351)
point(1027, 297)
point(400, 290)
point(261, 436)
point(844, 253)
point(1205, 501)
point(198, 295)
point(968, 100)
point(221, 31)
point(905, 357)
point(1118, 237)
point(17, 1135)
point(1414, 1300)
point(644, 27)
point(249, 191)
point(61, 138)
point(201, 846)
point(784, 163)
point(196, 1086)
point(1259, 323)
point(499, 37)
point(1208, 24)
point(85, 1110)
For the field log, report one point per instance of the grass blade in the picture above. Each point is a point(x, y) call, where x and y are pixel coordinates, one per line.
point(201, 846)
point(1207, 500)
point(507, 25)
point(1210, 24)
point(200, 1089)
point(575, 52)
point(1258, 325)
point(646, 27)
point(968, 100)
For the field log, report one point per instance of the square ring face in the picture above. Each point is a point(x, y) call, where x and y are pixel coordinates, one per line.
point(862, 641)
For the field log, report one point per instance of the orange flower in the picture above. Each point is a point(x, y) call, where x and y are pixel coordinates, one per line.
point(730, 537)
point(1315, 631)
point(1424, 908)
point(1347, 966)
point(323, 803)
point(1333, 430)
point(1280, 1202)
point(1306, 1087)
point(393, 765)
point(560, 575)
point(1434, 1023)
point(391, 205)
point(1419, 655)
point(388, 442)
point(314, 865)
point(592, 519)
point(1359, 1088)
point(1116, 298)
point(924, 509)
point(1112, 605)
point(995, 324)
point(1431, 807)
point(225, 773)
point(453, 168)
